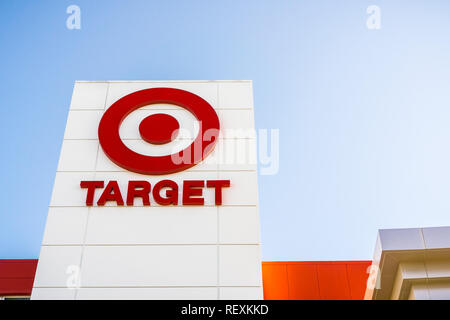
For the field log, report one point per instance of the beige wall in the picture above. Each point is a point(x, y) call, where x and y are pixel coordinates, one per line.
point(411, 264)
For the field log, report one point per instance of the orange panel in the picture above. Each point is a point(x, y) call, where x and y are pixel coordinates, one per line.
point(322, 280)
point(275, 281)
point(357, 278)
point(303, 282)
point(333, 282)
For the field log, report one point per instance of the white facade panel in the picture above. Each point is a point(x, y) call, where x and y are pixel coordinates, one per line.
point(89, 96)
point(83, 124)
point(247, 231)
point(53, 294)
point(235, 95)
point(237, 123)
point(55, 265)
point(192, 293)
point(67, 191)
point(149, 266)
point(175, 225)
point(240, 293)
point(240, 265)
point(65, 226)
point(242, 189)
point(237, 155)
point(78, 155)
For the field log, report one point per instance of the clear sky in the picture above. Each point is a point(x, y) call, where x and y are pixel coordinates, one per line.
point(363, 114)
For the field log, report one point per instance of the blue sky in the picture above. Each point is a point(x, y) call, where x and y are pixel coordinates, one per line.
point(363, 114)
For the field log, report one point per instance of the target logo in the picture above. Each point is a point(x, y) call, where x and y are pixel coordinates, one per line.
point(158, 129)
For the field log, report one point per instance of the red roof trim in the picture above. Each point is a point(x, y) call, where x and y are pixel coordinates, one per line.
point(17, 276)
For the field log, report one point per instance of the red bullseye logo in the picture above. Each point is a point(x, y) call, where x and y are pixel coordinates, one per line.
point(158, 129)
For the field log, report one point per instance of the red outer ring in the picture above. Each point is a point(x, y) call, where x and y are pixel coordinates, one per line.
point(120, 154)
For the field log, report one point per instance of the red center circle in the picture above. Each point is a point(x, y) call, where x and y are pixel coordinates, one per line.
point(159, 128)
